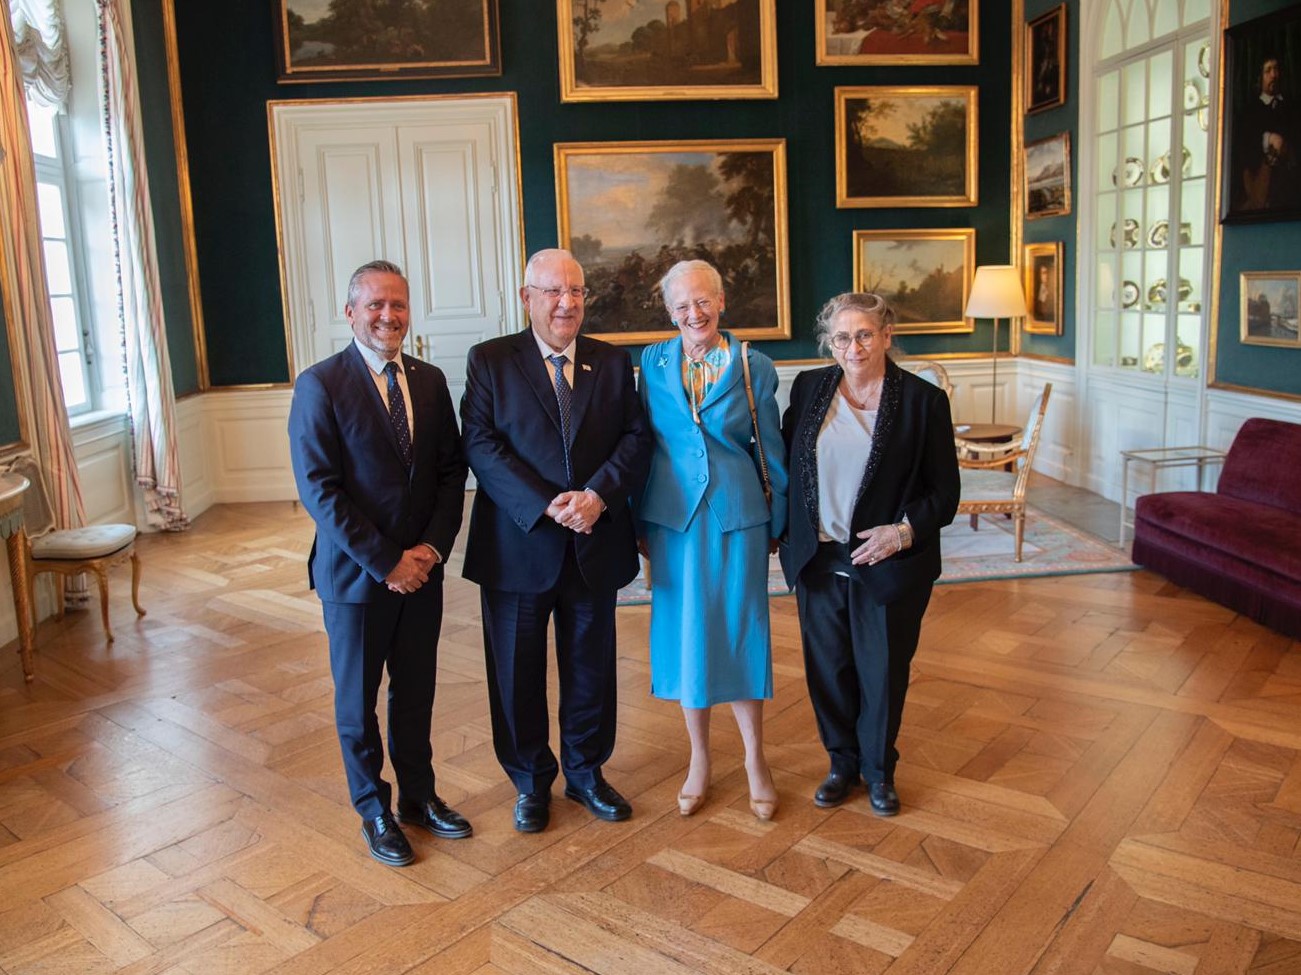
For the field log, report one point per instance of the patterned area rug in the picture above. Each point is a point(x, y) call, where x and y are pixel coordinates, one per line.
point(1051, 548)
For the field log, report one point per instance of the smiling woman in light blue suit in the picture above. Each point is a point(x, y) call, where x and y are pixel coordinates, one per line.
point(707, 527)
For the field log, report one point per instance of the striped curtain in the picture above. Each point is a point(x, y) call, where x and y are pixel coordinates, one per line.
point(151, 400)
point(37, 386)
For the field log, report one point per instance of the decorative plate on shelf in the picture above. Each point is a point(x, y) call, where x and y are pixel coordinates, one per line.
point(1129, 294)
point(1161, 168)
point(1204, 117)
point(1157, 292)
point(1131, 174)
point(1192, 95)
point(1130, 233)
point(1204, 60)
point(1159, 234)
point(1185, 234)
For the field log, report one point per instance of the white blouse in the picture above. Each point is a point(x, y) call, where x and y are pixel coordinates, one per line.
point(844, 443)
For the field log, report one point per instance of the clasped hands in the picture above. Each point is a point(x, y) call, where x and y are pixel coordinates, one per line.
point(576, 510)
point(412, 570)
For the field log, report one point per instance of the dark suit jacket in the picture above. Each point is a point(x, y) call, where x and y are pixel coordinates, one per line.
point(368, 509)
point(511, 424)
point(912, 470)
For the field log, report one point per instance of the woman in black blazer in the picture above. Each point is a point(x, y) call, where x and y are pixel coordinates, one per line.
point(873, 479)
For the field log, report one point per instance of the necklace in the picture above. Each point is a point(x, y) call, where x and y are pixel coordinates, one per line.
point(870, 395)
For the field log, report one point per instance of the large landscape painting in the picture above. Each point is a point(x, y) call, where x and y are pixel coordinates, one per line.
point(323, 40)
point(644, 50)
point(630, 211)
point(925, 275)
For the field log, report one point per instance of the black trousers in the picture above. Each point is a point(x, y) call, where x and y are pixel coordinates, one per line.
point(515, 642)
point(857, 655)
point(399, 632)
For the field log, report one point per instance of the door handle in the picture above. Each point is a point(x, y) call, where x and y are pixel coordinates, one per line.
point(422, 345)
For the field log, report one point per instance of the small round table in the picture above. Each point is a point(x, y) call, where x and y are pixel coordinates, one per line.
point(987, 432)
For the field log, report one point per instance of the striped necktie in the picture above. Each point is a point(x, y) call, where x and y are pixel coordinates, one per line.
point(564, 398)
point(397, 412)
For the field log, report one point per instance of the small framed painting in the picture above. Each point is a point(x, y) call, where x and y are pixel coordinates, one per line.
point(1043, 288)
point(357, 40)
point(1045, 61)
point(890, 32)
point(628, 211)
point(906, 147)
point(650, 50)
point(1269, 302)
point(925, 275)
point(1048, 177)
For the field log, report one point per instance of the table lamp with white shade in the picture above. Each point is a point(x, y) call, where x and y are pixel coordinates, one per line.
point(996, 293)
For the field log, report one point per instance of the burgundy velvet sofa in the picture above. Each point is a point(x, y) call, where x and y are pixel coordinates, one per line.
point(1241, 544)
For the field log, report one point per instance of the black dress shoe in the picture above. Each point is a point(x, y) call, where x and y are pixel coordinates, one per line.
point(601, 800)
point(386, 842)
point(885, 801)
point(835, 789)
point(435, 816)
point(532, 811)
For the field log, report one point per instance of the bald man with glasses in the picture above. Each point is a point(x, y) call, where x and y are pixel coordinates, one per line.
point(555, 434)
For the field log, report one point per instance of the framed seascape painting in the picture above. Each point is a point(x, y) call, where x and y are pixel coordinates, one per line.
point(894, 32)
point(666, 50)
point(1262, 119)
point(1043, 288)
point(1048, 177)
point(924, 274)
point(329, 40)
point(628, 211)
point(1269, 302)
point(1045, 61)
point(906, 147)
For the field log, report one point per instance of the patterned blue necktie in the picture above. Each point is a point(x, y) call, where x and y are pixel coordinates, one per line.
point(564, 401)
point(397, 412)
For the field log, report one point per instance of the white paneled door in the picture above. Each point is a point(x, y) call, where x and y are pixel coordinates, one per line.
point(429, 183)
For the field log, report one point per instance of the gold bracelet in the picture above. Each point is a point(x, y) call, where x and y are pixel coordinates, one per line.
point(898, 537)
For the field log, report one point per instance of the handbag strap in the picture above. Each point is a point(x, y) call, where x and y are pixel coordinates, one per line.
point(754, 420)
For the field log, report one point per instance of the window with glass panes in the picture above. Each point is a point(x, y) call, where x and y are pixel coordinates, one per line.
point(71, 337)
point(1153, 85)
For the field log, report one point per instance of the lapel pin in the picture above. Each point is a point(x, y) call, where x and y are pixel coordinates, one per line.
point(585, 367)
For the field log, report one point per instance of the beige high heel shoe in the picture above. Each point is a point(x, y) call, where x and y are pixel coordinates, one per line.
point(687, 805)
point(763, 809)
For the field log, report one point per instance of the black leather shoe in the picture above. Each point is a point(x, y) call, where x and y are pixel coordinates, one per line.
point(386, 842)
point(601, 800)
point(835, 789)
point(435, 816)
point(532, 811)
point(885, 801)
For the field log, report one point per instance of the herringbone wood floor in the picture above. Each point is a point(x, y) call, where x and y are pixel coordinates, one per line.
point(1101, 774)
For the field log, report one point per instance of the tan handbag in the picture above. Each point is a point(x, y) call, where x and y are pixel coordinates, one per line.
point(754, 419)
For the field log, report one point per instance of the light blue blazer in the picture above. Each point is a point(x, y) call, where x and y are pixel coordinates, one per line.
point(714, 462)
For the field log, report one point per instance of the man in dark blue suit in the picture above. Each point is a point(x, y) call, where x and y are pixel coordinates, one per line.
point(379, 466)
point(556, 437)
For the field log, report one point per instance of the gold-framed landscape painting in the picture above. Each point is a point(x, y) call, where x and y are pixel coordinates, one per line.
point(925, 275)
point(906, 147)
point(1268, 308)
point(628, 211)
point(652, 50)
point(891, 32)
point(332, 40)
point(1043, 288)
point(1047, 166)
point(1045, 61)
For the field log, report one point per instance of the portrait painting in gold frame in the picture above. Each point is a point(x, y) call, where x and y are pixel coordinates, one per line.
point(906, 147)
point(1045, 61)
point(628, 211)
point(890, 32)
point(1043, 281)
point(666, 50)
point(925, 275)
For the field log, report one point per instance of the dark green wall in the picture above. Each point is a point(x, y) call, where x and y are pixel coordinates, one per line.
point(227, 65)
point(1064, 118)
point(1274, 246)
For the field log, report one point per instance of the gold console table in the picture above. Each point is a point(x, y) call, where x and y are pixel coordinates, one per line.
point(12, 487)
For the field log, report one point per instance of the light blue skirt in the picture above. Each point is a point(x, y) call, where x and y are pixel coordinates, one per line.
point(709, 636)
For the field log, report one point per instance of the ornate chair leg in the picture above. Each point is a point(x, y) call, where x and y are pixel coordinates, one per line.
point(135, 584)
point(102, 578)
point(1020, 531)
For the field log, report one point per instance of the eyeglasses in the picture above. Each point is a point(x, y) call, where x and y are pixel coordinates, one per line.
point(702, 305)
point(863, 337)
point(554, 294)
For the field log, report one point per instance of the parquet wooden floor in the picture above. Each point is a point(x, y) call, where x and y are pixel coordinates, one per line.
point(1101, 774)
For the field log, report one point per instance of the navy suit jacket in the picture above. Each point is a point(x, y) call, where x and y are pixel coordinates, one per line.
point(367, 507)
point(912, 470)
point(511, 424)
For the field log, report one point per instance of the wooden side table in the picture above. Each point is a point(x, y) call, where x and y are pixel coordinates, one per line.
point(1158, 458)
point(12, 487)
